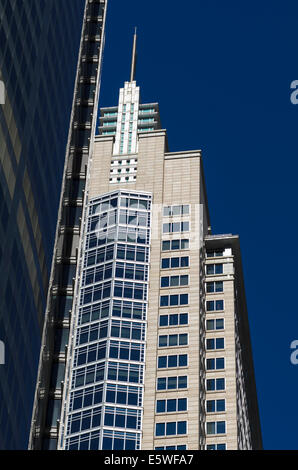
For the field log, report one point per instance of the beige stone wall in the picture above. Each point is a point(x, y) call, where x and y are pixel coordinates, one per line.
point(173, 178)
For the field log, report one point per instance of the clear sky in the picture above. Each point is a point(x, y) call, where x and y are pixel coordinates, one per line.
point(221, 72)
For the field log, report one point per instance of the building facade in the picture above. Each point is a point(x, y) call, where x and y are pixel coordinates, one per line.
point(37, 39)
point(47, 400)
point(159, 351)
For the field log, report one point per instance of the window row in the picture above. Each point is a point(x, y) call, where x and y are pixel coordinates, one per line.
point(215, 406)
point(174, 428)
point(216, 427)
point(134, 203)
point(132, 253)
point(95, 293)
point(116, 394)
point(138, 219)
point(101, 221)
point(181, 447)
point(216, 446)
point(125, 372)
point(174, 281)
point(115, 440)
point(126, 351)
point(128, 330)
point(213, 385)
point(214, 286)
point(170, 245)
point(172, 340)
point(130, 290)
point(214, 305)
point(214, 253)
point(122, 417)
point(172, 383)
point(84, 420)
point(120, 309)
point(215, 343)
point(94, 312)
point(137, 272)
point(100, 255)
point(173, 300)
point(124, 394)
point(112, 203)
point(126, 309)
point(217, 363)
point(182, 209)
point(171, 405)
point(119, 234)
point(109, 204)
point(179, 360)
point(91, 353)
point(97, 274)
point(93, 332)
point(86, 397)
point(175, 227)
point(174, 319)
point(216, 324)
point(122, 372)
point(212, 269)
point(175, 262)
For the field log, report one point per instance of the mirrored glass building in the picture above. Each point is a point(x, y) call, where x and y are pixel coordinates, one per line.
point(40, 42)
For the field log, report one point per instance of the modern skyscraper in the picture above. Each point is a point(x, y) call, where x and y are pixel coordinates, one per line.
point(49, 388)
point(159, 353)
point(38, 58)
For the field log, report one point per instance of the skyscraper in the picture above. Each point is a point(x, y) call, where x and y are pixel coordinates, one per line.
point(49, 387)
point(159, 353)
point(38, 58)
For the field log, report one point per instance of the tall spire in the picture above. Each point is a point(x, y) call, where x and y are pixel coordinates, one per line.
point(134, 57)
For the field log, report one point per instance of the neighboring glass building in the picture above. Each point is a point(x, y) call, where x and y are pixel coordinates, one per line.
point(48, 394)
point(40, 42)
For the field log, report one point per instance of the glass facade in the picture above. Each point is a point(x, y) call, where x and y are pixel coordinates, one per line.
point(38, 58)
point(106, 369)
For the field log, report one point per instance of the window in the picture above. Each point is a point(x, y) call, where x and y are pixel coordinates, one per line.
point(215, 363)
point(216, 447)
point(171, 428)
point(214, 305)
point(173, 340)
point(122, 417)
point(215, 286)
point(173, 300)
point(215, 406)
point(171, 405)
point(176, 227)
point(164, 362)
point(215, 384)
point(216, 427)
point(170, 211)
point(177, 262)
point(172, 383)
point(212, 269)
point(214, 253)
point(174, 281)
point(217, 324)
point(181, 447)
point(215, 343)
point(173, 319)
point(168, 245)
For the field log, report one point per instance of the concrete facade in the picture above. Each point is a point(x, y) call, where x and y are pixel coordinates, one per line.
point(198, 389)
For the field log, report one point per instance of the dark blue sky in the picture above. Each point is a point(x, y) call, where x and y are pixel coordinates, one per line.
point(221, 72)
